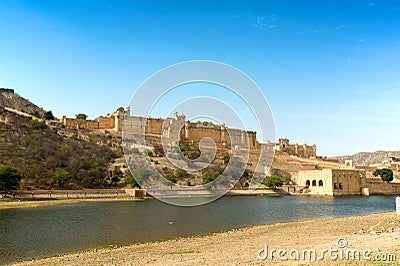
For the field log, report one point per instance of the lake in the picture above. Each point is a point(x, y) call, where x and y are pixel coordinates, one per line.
point(51, 230)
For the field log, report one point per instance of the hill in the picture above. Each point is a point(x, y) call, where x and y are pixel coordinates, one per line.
point(12, 100)
point(47, 159)
point(367, 158)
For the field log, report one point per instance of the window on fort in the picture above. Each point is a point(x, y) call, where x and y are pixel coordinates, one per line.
point(335, 186)
point(308, 183)
point(340, 186)
point(314, 183)
point(320, 183)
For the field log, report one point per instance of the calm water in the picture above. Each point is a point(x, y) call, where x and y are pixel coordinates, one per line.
point(46, 231)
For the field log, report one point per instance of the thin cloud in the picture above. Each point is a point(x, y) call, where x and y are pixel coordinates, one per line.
point(266, 22)
point(340, 27)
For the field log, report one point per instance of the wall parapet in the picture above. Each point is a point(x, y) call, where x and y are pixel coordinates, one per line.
point(7, 90)
point(300, 150)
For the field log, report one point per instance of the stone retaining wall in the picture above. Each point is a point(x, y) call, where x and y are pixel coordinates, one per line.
point(72, 194)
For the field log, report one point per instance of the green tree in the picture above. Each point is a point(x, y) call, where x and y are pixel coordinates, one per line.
point(81, 116)
point(48, 115)
point(135, 150)
point(184, 146)
point(287, 180)
point(36, 124)
point(131, 181)
point(180, 173)
point(9, 178)
point(170, 177)
point(385, 174)
point(117, 172)
point(138, 175)
point(62, 177)
point(226, 158)
point(210, 176)
point(116, 175)
point(273, 182)
point(149, 152)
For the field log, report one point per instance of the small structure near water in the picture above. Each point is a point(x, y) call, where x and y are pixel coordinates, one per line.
point(331, 181)
point(343, 181)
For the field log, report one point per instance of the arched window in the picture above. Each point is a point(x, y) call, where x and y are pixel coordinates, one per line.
point(314, 183)
point(335, 186)
point(320, 183)
point(340, 186)
point(308, 183)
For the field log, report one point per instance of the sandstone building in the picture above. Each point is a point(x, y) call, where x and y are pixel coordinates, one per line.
point(332, 181)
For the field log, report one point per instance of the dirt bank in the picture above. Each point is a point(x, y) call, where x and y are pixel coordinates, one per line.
point(379, 233)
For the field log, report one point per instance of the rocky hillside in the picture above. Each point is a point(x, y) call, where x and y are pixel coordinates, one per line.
point(367, 158)
point(14, 101)
point(47, 159)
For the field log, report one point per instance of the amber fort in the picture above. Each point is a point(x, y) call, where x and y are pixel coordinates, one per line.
point(312, 175)
point(338, 180)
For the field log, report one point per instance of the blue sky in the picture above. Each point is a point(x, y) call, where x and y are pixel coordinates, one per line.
point(330, 70)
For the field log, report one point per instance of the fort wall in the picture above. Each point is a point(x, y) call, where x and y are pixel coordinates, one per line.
point(193, 132)
point(283, 146)
point(105, 122)
point(110, 122)
point(79, 123)
point(14, 120)
point(378, 187)
point(5, 90)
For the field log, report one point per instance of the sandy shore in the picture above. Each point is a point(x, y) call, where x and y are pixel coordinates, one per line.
point(379, 233)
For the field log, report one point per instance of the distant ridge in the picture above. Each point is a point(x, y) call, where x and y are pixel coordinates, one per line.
point(8, 98)
point(367, 158)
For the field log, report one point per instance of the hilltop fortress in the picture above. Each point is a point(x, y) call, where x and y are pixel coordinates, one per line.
point(309, 174)
point(192, 132)
point(313, 176)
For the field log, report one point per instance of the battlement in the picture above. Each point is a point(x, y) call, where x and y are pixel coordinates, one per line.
point(304, 150)
point(192, 132)
point(110, 122)
point(6, 90)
